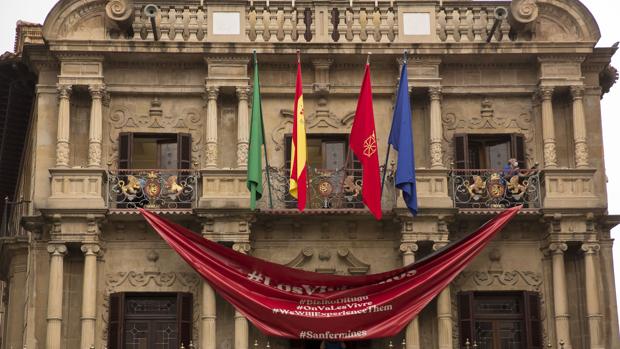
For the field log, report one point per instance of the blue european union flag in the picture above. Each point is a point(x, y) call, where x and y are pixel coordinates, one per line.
point(401, 138)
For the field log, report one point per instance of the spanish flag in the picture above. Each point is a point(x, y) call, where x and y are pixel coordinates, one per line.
point(299, 168)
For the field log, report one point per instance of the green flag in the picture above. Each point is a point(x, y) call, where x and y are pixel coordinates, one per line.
point(257, 140)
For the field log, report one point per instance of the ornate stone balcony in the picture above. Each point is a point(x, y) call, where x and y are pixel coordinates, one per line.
point(152, 188)
point(325, 21)
point(493, 189)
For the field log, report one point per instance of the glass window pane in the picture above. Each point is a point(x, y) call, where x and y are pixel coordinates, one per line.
point(497, 306)
point(511, 334)
point(484, 334)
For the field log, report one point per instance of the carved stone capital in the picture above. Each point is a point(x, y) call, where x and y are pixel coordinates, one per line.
point(212, 92)
point(242, 247)
point(64, 91)
point(57, 249)
point(435, 93)
point(97, 91)
point(546, 92)
point(577, 92)
point(440, 244)
point(243, 92)
point(590, 247)
point(90, 249)
point(408, 247)
point(558, 247)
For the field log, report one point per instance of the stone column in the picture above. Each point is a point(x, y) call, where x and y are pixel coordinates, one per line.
point(208, 317)
point(89, 294)
point(241, 323)
point(54, 295)
point(436, 128)
point(548, 127)
point(412, 333)
point(211, 150)
point(560, 298)
point(444, 313)
point(579, 127)
point(96, 126)
point(243, 127)
point(593, 307)
point(63, 132)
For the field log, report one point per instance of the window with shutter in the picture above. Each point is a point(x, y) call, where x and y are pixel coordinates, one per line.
point(125, 150)
point(184, 148)
point(488, 151)
point(461, 152)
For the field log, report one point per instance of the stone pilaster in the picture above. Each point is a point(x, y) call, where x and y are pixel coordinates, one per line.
point(96, 126)
point(241, 323)
point(436, 128)
point(211, 145)
point(63, 132)
point(548, 127)
point(412, 332)
point(560, 298)
point(579, 128)
point(54, 295)
point(593, 307)
point(243, 127)
point(444, 312)
point(89, 294)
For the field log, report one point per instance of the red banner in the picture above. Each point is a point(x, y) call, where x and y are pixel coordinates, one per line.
point(291, 303)
point(363, 143)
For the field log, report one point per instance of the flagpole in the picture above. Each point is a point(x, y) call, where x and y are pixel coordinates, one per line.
point(265, 147)
point(387, 155)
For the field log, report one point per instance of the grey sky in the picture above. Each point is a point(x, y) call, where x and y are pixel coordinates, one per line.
point(606, 13)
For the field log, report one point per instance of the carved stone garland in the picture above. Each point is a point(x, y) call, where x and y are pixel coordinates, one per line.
point(519, 122)
point(121, 118)
point(150, 281)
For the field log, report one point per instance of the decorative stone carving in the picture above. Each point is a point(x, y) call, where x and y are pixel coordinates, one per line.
point(90, 249)
point(152, 281)
point(579, 127)
point(123, 119)
point(523, 12)
point(520, 121)
point(347, 262)
point(509, 280)
point(319, 122)
point(120, 16)
point(436, 128)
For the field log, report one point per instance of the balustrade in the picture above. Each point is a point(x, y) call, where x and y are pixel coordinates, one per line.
point(479, 189)
point(327, 189)
point(150, 188)
point(357, 22)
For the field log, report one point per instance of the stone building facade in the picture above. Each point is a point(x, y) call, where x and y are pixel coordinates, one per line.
point(143, 104)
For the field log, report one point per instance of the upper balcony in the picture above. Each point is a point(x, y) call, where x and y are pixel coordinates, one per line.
point(335, 21)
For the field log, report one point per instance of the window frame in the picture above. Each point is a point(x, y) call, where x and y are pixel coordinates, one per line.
point(117, 316)
point(530, 316)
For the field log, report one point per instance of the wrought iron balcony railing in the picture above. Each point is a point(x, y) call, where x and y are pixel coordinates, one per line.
point(327, 189)
point(488, 188)
point(152, 188)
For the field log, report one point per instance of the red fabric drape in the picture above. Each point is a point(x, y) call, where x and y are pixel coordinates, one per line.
point(287, 302)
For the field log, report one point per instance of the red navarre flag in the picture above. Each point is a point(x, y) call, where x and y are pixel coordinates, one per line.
point(363, 142)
